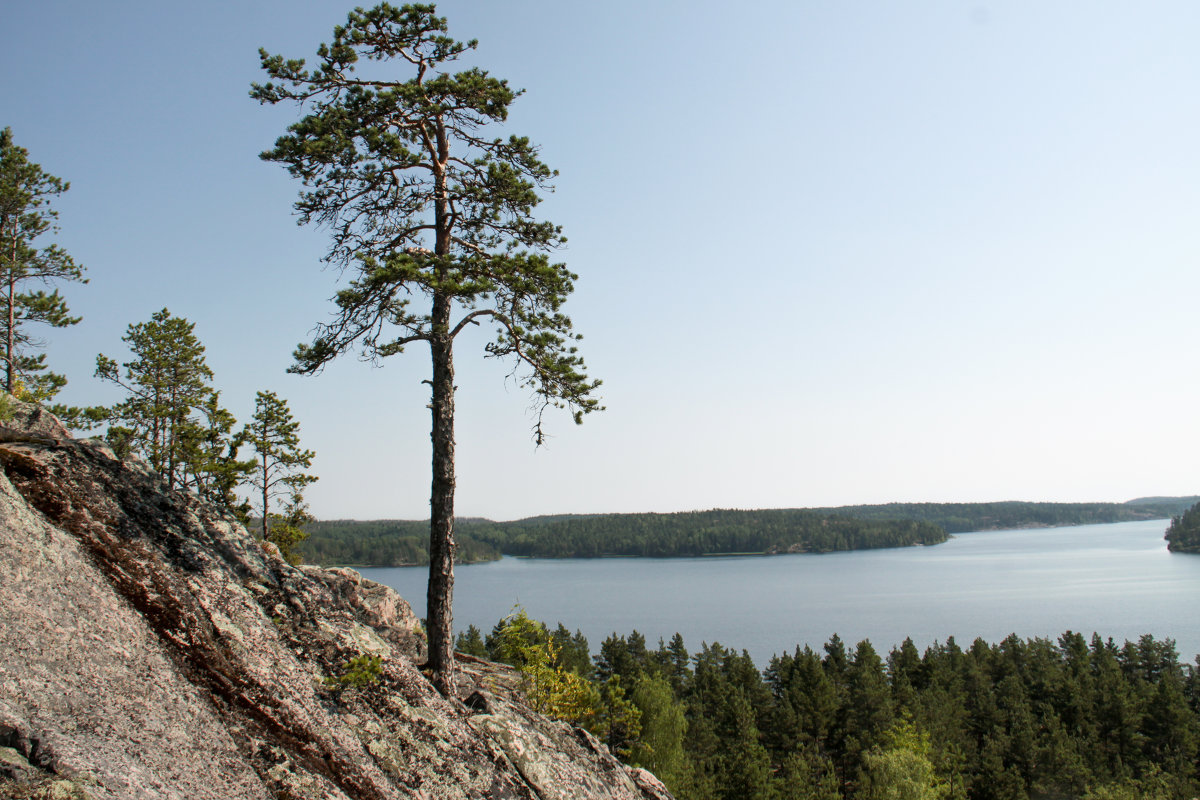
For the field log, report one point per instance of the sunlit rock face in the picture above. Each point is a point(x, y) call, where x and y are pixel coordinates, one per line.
point(150, 648)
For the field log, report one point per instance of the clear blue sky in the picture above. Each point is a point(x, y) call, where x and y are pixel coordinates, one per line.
point(829, 253)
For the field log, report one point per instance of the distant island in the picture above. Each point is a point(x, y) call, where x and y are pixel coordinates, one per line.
point(385, 543)
point(1184, 534)
point(1010, 515)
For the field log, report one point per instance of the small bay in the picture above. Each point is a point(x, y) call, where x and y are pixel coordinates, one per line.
point(1118, 580)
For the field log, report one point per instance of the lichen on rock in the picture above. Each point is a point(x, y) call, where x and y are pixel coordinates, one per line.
point(150, 648)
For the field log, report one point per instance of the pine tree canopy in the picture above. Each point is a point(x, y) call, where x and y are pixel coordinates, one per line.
point(422, 202)
point(26, 191)
point(431, 215)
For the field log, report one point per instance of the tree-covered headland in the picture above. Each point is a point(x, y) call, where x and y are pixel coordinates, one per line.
point(716, 532)
point(1024, 719)
point(1008, 515)
point(699, 533)
point(1183, 535)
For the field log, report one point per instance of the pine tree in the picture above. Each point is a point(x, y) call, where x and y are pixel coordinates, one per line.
point(471, 643)
point(273, 434)
point(26, 191)
point(660, 745)
point(286, 528)
point(171, 416)
point(212, 466)
point(425, 204)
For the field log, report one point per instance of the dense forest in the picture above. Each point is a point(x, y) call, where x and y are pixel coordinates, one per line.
point(384, 543)
point(1183, 536)
point(700, 533)
point(964, 517)
point(1025, 718)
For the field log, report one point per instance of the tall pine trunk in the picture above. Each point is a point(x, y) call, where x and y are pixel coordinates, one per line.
point(265, 496)
point(439, 622)
point(12, 315)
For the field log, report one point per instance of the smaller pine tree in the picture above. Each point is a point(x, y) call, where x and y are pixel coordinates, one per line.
point(274, 436)
point(171, 416)
point(286, 529)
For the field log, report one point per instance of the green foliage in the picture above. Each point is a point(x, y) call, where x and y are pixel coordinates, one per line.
point(551, 689)
point(7, 408)
point(1007, 721)
point(1153, 786)
point(26, 192)
point(213, 470)
point(431, 220)
point(1018, 719)
point(398, 542)
point(618, 721)
point(659, 746)
point(171, 416)
point(901, 767)
point(471, 643)
point(422, 202)
point(277, 469)
point(286, 531)
point(359, 672)
point(1183, 535)
point(573, 651)
point(698, 533)
point(966, 517)
point(385, 543)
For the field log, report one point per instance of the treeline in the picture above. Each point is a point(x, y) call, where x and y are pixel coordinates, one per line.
point(384, 543)
point(1183, 535)
point(702, 533)
point(1025, 718)
point(697, 533)
point(965, 517)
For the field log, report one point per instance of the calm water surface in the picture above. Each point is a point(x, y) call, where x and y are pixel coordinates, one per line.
point(1117, 580)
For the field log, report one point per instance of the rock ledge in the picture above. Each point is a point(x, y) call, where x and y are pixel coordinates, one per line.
point(150, 648)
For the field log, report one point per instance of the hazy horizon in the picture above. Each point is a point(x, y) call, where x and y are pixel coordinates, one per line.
point(828, 254)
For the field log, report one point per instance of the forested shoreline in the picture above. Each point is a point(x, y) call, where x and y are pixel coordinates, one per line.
point(967, 517)
point(1021, 719)
point(702, 533)
point(386, 543)
point(1183, 536)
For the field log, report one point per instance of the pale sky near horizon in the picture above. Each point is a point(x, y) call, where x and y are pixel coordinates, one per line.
point(829, 253)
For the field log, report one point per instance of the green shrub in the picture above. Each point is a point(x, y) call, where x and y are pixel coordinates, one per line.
point(358, 673)
point(550, 689)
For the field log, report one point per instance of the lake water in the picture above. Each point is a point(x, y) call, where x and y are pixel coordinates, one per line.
point(1118, 580)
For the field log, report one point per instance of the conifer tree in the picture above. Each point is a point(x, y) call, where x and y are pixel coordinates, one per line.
point(286, 529)
point(471, 643)
point(663, 727)
point(432, 217)
point(212, 466)
point(171, 417)
point(274, 436)
point(26, 191)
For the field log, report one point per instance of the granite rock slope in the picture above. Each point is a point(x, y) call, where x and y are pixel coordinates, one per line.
point(150, 648)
